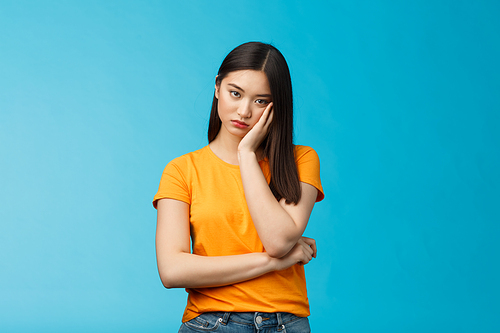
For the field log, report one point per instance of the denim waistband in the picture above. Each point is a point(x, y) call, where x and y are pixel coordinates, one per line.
point(257, 319)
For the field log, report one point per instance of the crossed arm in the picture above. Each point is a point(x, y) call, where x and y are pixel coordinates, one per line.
point(179, 268)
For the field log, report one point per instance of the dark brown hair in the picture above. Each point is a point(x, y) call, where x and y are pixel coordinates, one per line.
point(278, 145)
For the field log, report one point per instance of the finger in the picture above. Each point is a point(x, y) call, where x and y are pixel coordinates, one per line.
point(270, 114)
point(265, 115)
point(314, 248)
point(269, 107)
point(309, 250)
point(312, 243)
point(269, 121)
point(306, 247)
point(263, 120)
point(309, 253)
point(306, 256)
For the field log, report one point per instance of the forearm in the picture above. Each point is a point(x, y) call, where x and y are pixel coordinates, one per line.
point(186, 270)
point(276, 228)
point(179, 268)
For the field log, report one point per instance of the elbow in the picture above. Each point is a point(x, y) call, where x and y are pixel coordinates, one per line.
point(278, 250)
point(167, 284)
point(168, 280)
point(276, 253)
point(280, 246)
point(173, 273)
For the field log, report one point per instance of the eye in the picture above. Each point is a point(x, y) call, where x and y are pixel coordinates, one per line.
point(262, 101)
point(235, 93)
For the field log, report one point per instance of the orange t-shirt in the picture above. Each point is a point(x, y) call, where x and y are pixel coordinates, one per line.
point(221, 225)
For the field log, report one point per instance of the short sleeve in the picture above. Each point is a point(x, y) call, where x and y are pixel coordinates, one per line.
point(173, 184)
point(308, 167)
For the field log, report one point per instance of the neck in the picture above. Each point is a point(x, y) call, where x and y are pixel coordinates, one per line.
point(226, 148)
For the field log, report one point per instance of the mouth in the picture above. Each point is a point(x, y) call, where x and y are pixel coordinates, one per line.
point(239, 124)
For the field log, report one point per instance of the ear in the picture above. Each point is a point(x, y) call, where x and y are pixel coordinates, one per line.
point(217, 86)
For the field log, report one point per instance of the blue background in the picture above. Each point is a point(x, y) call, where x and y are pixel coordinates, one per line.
point(400, 99)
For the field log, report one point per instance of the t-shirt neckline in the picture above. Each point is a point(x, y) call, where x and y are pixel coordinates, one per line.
point(221, 161)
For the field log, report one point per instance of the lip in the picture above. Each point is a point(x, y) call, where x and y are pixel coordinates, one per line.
point(239, 124)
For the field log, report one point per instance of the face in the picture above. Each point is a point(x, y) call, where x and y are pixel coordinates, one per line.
point(242, 97)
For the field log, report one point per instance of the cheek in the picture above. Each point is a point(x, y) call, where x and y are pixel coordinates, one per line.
point(224, 105)
point(221, 108)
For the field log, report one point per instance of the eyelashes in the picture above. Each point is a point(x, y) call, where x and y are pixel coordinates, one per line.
point(259, 101)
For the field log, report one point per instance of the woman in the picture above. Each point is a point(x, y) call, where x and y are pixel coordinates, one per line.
point(244, 200)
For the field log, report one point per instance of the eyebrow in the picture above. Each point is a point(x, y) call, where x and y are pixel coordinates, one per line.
point(239, 88)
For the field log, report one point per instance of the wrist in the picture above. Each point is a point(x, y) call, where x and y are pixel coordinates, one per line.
point(272, 263)
point(244, 154)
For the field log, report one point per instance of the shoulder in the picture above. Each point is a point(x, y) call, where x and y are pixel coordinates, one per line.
point(177, 178)
point(305, 152)
point(187, 165)
point(189, 159)
point(307, 162)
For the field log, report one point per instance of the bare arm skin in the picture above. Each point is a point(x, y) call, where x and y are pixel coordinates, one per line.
point(278, 224)
point(179, 268)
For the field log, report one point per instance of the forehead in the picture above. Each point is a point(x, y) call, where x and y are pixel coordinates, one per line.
point(249, 81)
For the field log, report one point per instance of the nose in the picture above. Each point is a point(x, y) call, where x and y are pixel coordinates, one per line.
point(244, 110)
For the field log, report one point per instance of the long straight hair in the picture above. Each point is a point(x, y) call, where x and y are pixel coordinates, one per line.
point(278, 145)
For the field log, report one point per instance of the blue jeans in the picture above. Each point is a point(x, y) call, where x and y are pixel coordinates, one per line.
point(246, 322)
